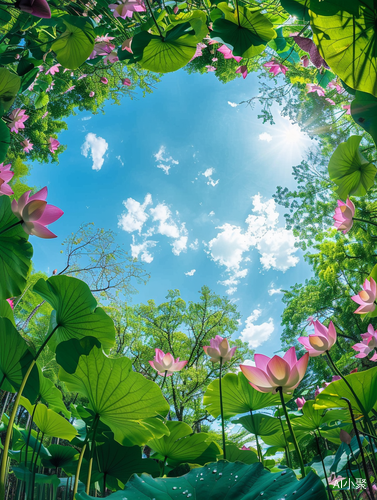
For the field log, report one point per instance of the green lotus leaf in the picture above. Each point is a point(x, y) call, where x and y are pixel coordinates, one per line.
point(75, 45)
point(297, 8)
point(68, 353)
point(166, 54)
point(260, 424)
point(246, 31)
point(238, 396)
point(124, 400)
point(331, 7)
point(311, 420)
point(343, 454)
point(182, 445)
point(9, 87)
point(41, 100)
point(197, 20)
point(15, 359)
point(51, 395)
point(234, 454)
point(236, 481)
point(15, 250)
point(278, 441)
point(59, 456)
point(353, 174)
point(348, 45)
point(4, 140)
point(75, 314)
point(332, 434)
point(48, 421)
point(364, 384)
point(364, 112)
point(24, 474)
point(6, 312)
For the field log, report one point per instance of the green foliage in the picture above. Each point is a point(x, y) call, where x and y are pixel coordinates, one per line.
point(75, 45)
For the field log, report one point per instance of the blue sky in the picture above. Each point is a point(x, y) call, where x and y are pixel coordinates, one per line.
point(186, 180)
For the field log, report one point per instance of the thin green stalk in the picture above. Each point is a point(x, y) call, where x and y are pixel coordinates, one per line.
point(259, 451)
point(154, 20)
point(222, 410)
point(366, 221)
point(280, 390)
point(95, 425)
point(360, 447)
point(35, 467)
point(78, 470)
point(163, 382)
point(287, 454)
point(331, 496)
point(29, 433)
point(356, 462)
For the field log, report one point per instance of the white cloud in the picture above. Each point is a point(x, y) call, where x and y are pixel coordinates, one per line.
point(255, 335)
point(265, 137)
point(194, 245)
point(273, 291)
point(208, 174)
point(135, 217)
point(85, 118)
point(276, 245)
point(98, 147)
point(164, 161)
point(142, 250)
point(233, 104)
point(120, 159)
point(191, 273)
point(211, 214)
point(180, 245)
point(167, 227)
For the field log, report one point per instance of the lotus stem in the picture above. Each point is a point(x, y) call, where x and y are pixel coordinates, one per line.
point(331, 496)
point(222, 410)
point(287, 454)
point(360, 447)
point(280, 390)
point(35, 467)
point(364, 220)
point(75, 487)
point(29, 433)
point(95, 425)
point(163, 382)
point(260, 458)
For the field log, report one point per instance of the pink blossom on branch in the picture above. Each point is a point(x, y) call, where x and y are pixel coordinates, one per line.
point(5, 176)
point(210, 69)
point(219, 349)
point(27, 145)
point(347, 107)
point(17, 118)
point(166, 363)
point(242, 70)
point(91, 94)
point(127, 82)
point(126, 8)
point(228, 54)
point(269, 374)
point(36, 214)
point(312, 87)
point(275, 67)
point(54, 69)
point(368, 345)
point(366, 297)
point(322, 340)
point(104, 80)
point(335, 85)
point(344, 214)
point(54, 144)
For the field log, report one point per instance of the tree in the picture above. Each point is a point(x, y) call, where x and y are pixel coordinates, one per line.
point(182, 329)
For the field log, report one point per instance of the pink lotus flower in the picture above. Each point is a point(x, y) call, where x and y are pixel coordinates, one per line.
point(269, 374)
point(5, 176)
point(44, 115)
point(91, 94)
point(70, 88)
point(344, 214)
point(17, 118)
point(275, 67)
point(312, 87)
point(126, 45)
point(111, 58)
point(335, 378)
point(320, 389)
point(54, 69)
point(311, 320)
point(36, 214)
point(127, 8)
point(165, 363)
point(104, 80)
point(300, 403)
point(210, 69)
point(228, 54)
point(37, 8)
point(242, 70)
point(10, 302)
point(176, 9)
point(366, 297)
point(305, 61)
point(347, 107)
point(54, 144)
point(214, 59)
point(198, 52)
point(82, 76)
point(322, 340)
point(245, 448)
point(334, 479)
point(335, 85)
point(330, 101)
point(27, 145)
point(219, 349)
point(126, 81)
point(368, 345)
point(307, 45)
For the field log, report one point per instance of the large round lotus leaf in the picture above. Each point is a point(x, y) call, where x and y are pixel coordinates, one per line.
point(364, 385)
point(246, 31)
point(59, 456)
point(182, 445)
point(224, 480)
point(124, 400)
point(15, 250)
point(167, 54)
point(348, 45)
point(75, 314)
point(74, 46)
point(197, 20)
point(68, 352)
point(238, 396)
point(234, 454)
point(9, 86)
point(353, 174)
point(297, 8)
point(51, 395)
point(48, 421)
point(331, 7)
point(4, 140)
point(260, 424)
point(364, 112)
